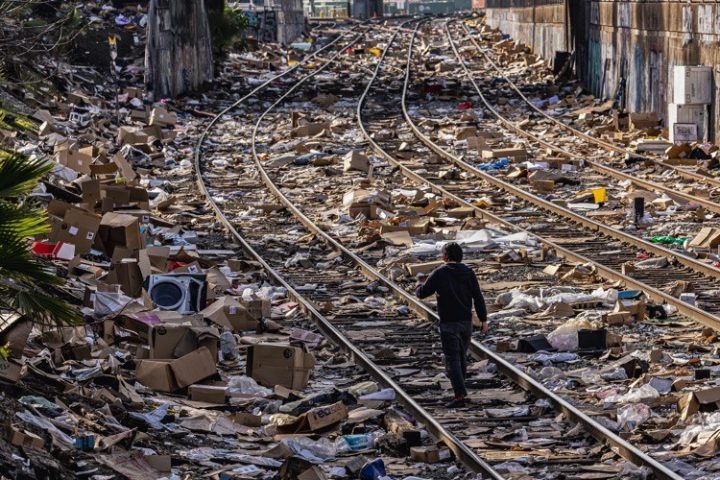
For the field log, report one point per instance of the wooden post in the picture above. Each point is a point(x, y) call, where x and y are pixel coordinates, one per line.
point(178, 55)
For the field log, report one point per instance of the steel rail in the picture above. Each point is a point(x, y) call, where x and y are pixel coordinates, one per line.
point(701, 316)
point(601, 433)
point(597, 141)
point(604, 169)
point(461, 451)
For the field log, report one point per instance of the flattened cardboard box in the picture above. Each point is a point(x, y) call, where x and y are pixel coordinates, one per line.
point(707, 400)
point(317, 419)
point(9, 370)
point(276, 364)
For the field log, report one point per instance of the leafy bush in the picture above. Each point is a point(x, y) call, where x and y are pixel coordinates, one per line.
point(227, 28)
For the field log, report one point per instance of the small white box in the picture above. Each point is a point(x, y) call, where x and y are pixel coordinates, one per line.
point(685, 133)
point(688, 114)
point(692, 85)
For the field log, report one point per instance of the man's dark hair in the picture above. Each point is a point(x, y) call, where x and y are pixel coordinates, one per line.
point(453, 252)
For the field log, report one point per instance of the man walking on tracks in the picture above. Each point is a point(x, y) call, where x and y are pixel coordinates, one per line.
point(457, 290)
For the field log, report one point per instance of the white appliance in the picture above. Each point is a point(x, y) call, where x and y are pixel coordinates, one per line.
point(181, 292)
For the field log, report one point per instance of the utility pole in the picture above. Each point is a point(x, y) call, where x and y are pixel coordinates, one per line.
point(112, 43)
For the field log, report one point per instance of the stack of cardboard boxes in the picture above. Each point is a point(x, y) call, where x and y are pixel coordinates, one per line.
point(688, 114)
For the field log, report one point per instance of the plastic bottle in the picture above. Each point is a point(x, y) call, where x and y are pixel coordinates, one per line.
point(357, 442)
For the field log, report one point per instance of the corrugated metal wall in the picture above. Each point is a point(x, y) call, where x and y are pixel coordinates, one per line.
point(614, 39)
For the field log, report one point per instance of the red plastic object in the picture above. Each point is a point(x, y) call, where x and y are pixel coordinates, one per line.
point(175, 264)
point(642, 256)
point(43, 248)
point(464, 106)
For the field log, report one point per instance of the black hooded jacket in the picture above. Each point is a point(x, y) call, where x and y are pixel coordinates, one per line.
point(457, 288)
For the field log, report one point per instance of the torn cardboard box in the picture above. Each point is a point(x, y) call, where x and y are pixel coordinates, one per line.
point(228, 312)
point(277, 364)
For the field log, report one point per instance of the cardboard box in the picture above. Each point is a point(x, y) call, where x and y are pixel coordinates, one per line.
point(193, 367)
point(276, 364)
point(427, 267)
point(161, 463)
point(228, 312)
point(322, 417)
point(156, 375)
point(161, 117)
point(431, 454)
point(312, 473)
point(518, 154)
point(173, 341)
point(688, 114)
point(23, 438)
point(632, 306)
point(128, 274)
point(543, 185)
point(309, 129)
point(172, 375)
point(707, 400)
point(9, 371)
point(355, 160)
point(257, 307)
point(78, 227)
point(618, 318)
point(642, 120)
point(119, 230)
point(692, 84)
point(77, 159)
point(208, 393)
point(317, 419)
point(708, 237)
point(132, 136)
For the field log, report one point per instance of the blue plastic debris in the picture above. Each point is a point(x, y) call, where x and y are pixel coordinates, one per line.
point(498, 164)
point(373, 470)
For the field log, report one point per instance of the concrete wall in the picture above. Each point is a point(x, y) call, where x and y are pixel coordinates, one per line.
point(638, 40)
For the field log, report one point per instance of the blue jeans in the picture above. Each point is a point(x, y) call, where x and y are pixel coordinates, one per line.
point(455, 339)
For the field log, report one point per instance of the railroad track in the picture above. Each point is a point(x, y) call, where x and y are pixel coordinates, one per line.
point(683, 172)
point(550, 221)
point(394, 320)
point(695, 183)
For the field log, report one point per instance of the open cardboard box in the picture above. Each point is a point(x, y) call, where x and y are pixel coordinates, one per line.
point(172, 375)
point(278, 364)
point(228, 312)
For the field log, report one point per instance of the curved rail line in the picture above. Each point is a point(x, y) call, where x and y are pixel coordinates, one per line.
point(461, 451)
point(686, 309)
point(599, 142)
point(528, 383)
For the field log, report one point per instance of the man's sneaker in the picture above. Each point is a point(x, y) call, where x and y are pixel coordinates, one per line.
point(457, 403)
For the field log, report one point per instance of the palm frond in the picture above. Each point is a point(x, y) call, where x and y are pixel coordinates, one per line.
point(16, 262)
point(21, 221)
point(42, 309)
point(19, 176)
